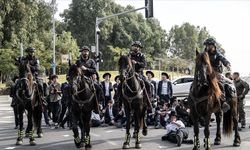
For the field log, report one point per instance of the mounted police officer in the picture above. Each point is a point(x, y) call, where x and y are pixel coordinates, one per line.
point(33, 63)
point(139, 62)
point(88, 67)
point(217, 59)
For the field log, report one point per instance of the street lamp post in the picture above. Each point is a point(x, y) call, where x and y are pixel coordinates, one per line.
point(54, 39)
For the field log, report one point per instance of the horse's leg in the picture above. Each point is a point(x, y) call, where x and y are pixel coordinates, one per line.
point(195, 119)
point(75, 120)
point(20, 134)
point(127, 136)
point(237, 140)
point(81, 126)
point(87, 130)
point(217, 140)
point(138, 118)
point(207, 132)
point(30, 124)
point(144, 117)
point(37, 116)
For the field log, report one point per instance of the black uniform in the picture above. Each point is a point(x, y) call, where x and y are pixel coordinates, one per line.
point(139, 67)
point(217, 59)
point(91, 69)
point(89, 64)
point(140, 61)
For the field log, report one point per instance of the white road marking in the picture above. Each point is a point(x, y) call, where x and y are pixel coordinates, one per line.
point(7, 117)
point(10, 147)
point(112, 143)
point(96, 135)
point(66, 135)
point(109, 131)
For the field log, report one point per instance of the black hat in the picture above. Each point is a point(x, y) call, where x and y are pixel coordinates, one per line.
point(30, 49)
point(106, 74)
point(165, 74)
point(150, 72)
point(117, 77)
point(209, 41)
point(173, 113)
point(138, 43)
point(84, 48)
point(54, 76)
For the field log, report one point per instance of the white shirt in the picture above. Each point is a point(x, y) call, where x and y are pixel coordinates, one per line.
point(164, 90)
point(173, 127)
point(106, 88)
point(95, 116)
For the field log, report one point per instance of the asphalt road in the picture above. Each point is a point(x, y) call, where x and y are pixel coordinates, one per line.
point(105, 138)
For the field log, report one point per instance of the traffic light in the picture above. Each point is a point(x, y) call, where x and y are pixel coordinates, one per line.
point(149, 9)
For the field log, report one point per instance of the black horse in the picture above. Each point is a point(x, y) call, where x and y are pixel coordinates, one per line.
point(28, 99)
point(132, 96)
point(204, 99)
point(82, 104)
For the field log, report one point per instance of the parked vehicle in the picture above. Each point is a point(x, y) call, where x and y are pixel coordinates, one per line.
point(182, 85)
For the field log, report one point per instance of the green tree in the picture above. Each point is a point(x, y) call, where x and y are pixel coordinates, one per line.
point(117, 32)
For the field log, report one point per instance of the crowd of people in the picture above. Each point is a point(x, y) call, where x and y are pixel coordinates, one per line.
point(166, 110)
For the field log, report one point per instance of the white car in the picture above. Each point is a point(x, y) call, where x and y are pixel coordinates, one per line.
point(182, 85)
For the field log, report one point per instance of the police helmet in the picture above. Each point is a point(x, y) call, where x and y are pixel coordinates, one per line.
point(137, 43)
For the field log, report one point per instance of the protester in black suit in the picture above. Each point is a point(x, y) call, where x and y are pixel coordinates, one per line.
point(151, 75)
point(107, 88)
point(165, 90)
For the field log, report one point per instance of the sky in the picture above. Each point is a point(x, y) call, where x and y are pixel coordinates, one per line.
point(227, 20)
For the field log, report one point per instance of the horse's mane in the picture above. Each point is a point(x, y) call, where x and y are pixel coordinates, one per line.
point(125, 60)
point(215, 89)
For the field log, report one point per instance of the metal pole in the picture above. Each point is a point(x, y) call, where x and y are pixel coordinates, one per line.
point(97, 43)
point(54, 39)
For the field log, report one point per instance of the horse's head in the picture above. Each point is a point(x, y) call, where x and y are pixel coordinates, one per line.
point(205, 77)
point(201, 69)
point(125, 66)
point(73, 71)
point(24, 67)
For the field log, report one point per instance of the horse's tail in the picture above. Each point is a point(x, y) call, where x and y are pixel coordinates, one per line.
point(228, 118)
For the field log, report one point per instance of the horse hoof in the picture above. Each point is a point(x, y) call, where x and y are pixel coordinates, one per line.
point(138, 146)
point(125, 146)
point(40, 135)
point(88, 146)
point(78, 142)
point(19, 142)
point(145, 132)
point(217, 142)
point(236, 144)
point(196, 148)
point(33, 143)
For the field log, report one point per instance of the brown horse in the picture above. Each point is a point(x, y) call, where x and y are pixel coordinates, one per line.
point(28, 99)
point(204, 99)
point(133, 99)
